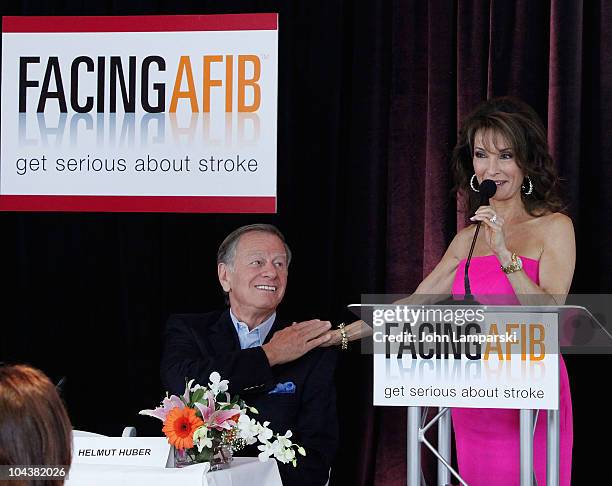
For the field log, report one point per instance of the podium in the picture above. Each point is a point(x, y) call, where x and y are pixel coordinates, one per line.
point(423, 360)
point(416, 437)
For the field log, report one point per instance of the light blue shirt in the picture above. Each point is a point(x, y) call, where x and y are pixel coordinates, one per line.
point(254, 337)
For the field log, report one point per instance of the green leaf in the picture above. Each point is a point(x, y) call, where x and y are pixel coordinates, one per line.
point(197, 395)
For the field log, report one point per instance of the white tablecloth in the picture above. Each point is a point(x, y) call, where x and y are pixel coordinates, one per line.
point(244, 471)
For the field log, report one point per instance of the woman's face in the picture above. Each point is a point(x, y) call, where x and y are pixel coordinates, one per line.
point(493, 158)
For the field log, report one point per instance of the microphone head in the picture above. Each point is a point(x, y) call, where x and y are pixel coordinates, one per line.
point(487, 190)
point(60, 385)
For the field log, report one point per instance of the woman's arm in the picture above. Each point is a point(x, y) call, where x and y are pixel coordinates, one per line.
point(433, 288)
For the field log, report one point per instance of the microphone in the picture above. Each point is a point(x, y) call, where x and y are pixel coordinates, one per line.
point(60, 385)
point(487, 190)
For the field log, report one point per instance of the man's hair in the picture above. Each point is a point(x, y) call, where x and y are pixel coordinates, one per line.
point(227, 250)
point(34, 426)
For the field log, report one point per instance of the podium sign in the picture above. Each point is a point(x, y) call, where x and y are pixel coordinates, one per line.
point(485, 356)
point(465, 357)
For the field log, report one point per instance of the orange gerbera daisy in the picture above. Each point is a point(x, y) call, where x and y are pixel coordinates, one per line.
point(180, 425)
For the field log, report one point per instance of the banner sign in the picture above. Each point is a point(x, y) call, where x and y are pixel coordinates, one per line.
point(425, 356)
point(149, 113)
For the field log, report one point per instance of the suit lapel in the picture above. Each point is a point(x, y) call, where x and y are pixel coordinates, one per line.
point(222, 334)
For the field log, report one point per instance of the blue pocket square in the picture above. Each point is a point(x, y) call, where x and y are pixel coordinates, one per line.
point(287, 387)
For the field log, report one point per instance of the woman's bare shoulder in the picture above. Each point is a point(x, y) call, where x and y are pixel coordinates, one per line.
point(554, 224)
point(555, 232)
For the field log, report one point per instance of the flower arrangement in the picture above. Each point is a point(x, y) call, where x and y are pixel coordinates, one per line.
point(206, 425)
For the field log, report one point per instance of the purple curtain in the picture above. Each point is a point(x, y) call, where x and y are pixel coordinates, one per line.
point(556, 56)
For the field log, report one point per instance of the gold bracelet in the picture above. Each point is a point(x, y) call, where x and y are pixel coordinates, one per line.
point(344, 337)
point(515, 265)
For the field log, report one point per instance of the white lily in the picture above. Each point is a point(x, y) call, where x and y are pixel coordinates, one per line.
point(201, 439)
point(248, 429)
point(217, 385)
point(265, 434)
point(284, 455)
point(266, 451)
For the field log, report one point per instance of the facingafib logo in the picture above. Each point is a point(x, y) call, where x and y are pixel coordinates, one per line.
point(107, 84)
point(432, 333)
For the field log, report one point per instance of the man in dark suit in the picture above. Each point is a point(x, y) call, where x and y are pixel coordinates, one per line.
point(275, 366)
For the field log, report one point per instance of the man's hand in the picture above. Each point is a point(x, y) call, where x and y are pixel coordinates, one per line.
point(296, 340)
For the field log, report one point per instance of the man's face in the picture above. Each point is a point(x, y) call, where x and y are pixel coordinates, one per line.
point(257, 282)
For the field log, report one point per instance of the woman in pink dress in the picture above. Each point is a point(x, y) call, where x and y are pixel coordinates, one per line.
point(524, 251)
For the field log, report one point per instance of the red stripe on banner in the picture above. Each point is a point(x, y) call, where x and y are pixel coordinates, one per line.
point(140, 204)
point(141, 23)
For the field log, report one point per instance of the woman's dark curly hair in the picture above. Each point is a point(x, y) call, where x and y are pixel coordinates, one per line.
point(520, 125)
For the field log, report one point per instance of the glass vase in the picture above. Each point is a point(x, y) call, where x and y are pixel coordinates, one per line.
point(183, 457)
point(222, 457)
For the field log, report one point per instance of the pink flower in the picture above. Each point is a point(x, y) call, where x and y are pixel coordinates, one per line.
point(167, 404)
point(217, 419)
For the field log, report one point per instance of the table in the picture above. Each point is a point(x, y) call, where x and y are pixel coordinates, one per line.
point(244, 471)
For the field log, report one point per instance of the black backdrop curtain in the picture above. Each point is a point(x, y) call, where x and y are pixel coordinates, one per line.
point(370, 94)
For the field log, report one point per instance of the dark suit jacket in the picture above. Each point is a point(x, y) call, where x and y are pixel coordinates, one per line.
point(198, 344)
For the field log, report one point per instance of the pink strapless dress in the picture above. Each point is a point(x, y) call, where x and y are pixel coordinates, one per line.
point(487, 440)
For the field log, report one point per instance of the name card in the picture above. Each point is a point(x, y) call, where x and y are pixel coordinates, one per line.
point(129, 451)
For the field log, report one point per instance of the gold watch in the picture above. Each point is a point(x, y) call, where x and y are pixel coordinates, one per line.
point(515, 264)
